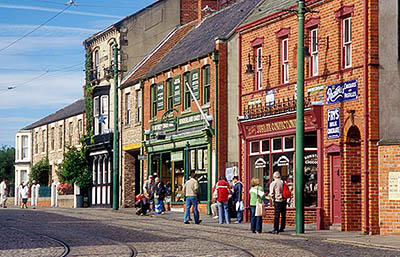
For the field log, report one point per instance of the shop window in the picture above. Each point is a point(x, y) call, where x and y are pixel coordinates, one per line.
point(254, 147)
point(259, 168)
point(314, 51)
point(346, 42)
point(289, 143)
point(265, 146)
point(310, 178)
point(285, 60)
point(206, 84)
point(283, 163)
point(277, 144)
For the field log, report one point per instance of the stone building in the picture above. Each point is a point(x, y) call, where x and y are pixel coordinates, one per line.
point(48, 138)
point(389, 121)
point(341, 114)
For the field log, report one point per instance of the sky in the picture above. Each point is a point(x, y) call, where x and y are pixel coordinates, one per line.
point(42, 67)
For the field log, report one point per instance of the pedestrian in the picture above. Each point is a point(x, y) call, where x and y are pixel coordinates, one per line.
point(34, 193)
point(256, 194)
point(214, 209)
point(149, 189)
point(276, 195)
point(160, 192)
point(143, 203)
point(237, 198)
point(3, 193)
point(20, 187)
point(222, 190)
point(24, 192)
point(190, 190)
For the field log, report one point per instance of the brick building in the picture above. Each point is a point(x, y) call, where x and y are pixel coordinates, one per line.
point(48, 138)
point(341, 118)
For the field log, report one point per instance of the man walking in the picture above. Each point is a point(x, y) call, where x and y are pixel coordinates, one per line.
point(3, 193)
point(276, 194)
point(190, 190)
point(34, 193)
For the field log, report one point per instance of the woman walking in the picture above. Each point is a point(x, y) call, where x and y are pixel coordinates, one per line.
point(256, 194)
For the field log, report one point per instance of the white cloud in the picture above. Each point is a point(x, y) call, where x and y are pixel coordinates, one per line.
point(34, 8)
point(23, 28)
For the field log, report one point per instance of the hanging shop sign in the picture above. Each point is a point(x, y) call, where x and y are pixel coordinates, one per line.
point(270, 97)
point(142, 157)
point(394, 185)
point(342, 92)
point(177, 90)
point(333, 126)
point(195, 83)
point(260, 163)
point(160, 96)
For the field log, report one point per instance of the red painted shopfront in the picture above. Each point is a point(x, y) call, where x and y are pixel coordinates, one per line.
point(269, 140)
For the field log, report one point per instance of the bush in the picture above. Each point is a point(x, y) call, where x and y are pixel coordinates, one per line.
point(75, 168)
point(40, 172)
point(65, 189)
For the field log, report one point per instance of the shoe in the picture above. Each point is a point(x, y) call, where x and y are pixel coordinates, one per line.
point(186, 222)
point(281, 230)
point(253, 232)
point(274, 232)
point(198, 222)
point(236, 222)
point(258, 232)
point(215, 217)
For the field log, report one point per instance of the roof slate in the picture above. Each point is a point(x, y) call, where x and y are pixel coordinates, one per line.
point(158, 53)
point(268, 7)
point(78, 107)
point(201, 40)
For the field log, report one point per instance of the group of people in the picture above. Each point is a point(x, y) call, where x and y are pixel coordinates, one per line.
point(154, 192)
point(23, 192)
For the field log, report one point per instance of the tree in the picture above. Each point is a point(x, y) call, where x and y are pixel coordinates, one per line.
point(7, 160)
point(75, 168)
point(40, 172)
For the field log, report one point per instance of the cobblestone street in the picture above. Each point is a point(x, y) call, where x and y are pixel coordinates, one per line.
point(100, 232)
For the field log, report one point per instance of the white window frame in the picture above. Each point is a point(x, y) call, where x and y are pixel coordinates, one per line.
point(285, 60)
point(138, 106)
point(18, 149)
point(346, 42)
point(284, 143)
point(272, 145)
point(96, 114)
point(127, 108)
point(111, 47)
point(314, 51)
point(43, 140)
point(80, 128)
point(259, 68)
point(104, 111)
point(25, 147)
point(255, 153)
point(269, 143)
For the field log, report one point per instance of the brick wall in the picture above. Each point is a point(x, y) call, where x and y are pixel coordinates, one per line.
point(389, 210)
point(310, 216)
point(128, 179)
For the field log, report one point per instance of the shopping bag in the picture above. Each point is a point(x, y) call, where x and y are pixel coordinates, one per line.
point(260, 210)
point(239, 206)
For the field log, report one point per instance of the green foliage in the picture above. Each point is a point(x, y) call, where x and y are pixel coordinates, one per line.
point(89, 94)
point(40, 172)
point(75, 168)
point(7, 160)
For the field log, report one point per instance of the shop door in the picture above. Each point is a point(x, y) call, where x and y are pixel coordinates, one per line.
point(336, 190)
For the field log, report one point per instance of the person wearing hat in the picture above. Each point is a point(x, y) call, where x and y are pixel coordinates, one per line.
point(149, 188)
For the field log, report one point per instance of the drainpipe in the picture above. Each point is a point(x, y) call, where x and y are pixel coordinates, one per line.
point(366, 122)
point(142, 144)
point(215, 59)
point(240, 105)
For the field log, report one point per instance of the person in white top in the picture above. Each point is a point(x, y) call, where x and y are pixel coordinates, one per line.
point(24, 192)
point(3, 193)
point(34, 193)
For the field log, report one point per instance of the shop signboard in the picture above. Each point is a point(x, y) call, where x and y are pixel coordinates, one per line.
point(254, 102)
point(342, 92)
point(142, 157)
point(177, 90)
point(333, 126)
point(283, 161)
point(160, 96)
point(394, 185)
point(315, 89)
point(270, 97)
point(176, 156)
point(190, 120)
point(163, 126)
point(195, 83)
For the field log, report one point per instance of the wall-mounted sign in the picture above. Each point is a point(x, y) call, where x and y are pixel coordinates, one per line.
point(333, 119)
point(282, 161)
point(270, 97)
point(160, 96)
point(342, 92)
point(177, 90)
point(188, 120)
point(195, 83)
point(394, 185)
point(176, 156)
point(142, 157)
point(260, 163)
point(275, 126)
point(254, 102)
point(311, 159)
point(166, 125)
point(315, 89)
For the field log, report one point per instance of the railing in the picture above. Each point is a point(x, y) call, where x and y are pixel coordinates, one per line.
point(278, 107)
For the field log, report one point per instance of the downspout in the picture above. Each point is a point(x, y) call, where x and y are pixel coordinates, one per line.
point(142, 141)
point(240, 104)
point(366, 122)
point(215, 59)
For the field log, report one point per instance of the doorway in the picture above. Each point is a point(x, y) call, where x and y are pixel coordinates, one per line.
point(336, 190)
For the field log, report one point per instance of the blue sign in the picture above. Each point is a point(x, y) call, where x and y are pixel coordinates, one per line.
point(333, 128)
point(342, 92)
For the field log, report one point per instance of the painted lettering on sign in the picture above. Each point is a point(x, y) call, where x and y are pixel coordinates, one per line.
point(333, 126)
point(276, 126)
point(342, 92)
point(177, 90)
point(189, 119)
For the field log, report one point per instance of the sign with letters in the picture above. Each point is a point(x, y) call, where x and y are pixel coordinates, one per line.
point(333, 128)
point(394, 185)
point(270, 97)
point(342, 92)
point(160, 96)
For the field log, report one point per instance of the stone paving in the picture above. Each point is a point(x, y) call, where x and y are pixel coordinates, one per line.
point(102, 232)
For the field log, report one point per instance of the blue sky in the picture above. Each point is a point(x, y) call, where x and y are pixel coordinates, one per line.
point(45, 69)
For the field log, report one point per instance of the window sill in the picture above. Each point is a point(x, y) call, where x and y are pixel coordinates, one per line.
point(206, 106)
point(186, 111)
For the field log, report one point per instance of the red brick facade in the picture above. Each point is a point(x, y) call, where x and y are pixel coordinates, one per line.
point(271, 31)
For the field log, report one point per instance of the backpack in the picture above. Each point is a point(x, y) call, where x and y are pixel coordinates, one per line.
point(286, 192)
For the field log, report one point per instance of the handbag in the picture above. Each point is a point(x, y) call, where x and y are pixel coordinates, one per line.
point(260, 210)
point(215, 194)
point(239, 206)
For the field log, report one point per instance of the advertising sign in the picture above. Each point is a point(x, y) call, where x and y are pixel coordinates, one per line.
point(160, 96)
point(394, 185)
point(177, 90)
point(194, 77)
point(270, 97)
point(342, 92)
point(333, 128)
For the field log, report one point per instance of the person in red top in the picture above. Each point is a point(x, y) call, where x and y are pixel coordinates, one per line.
point(222, 189)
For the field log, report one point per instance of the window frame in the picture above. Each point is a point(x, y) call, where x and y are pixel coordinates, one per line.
point(347, 42)
point(43, 140)
point(284, 149)
point(285, 61)
point(170, 94)
point(24, 147)
point(153, 102)
point(272, 145)
point(206, 81)
point(52, 144)
point(259, 67)
point(60, 135)
point(127, 108)
point(71, 132)
point(187, 99)
point(138, 106)
point(314, 51)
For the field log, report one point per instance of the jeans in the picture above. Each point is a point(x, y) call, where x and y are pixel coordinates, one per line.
point(191, 200)
point(223, 212)
point(239, 214)
point(256, 222)
point(280, 209)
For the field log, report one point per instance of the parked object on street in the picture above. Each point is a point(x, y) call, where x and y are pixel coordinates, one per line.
point(256, 195)
point(223, 189)
point(3, 193)
point(190, 190)
point(276, 194)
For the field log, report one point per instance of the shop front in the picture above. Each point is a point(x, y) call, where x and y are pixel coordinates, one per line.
point(176, 148)
point(270, 145)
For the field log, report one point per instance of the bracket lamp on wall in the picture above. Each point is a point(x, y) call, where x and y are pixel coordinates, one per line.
point(249, 70)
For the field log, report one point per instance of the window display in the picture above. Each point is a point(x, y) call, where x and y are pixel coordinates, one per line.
point(283, 163)
point(310, 178)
